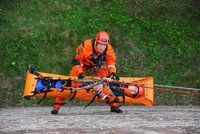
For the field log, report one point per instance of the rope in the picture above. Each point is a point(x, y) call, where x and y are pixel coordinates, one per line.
point(155, 85)
point(178, 91)
point(85, 87)
point(177, 87)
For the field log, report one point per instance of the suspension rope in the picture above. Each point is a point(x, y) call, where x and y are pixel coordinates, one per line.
point(155, 85)
point(177, 87)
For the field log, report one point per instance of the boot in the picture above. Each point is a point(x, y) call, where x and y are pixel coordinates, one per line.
point(54, 111)
point(57, 105)
point(116, 110)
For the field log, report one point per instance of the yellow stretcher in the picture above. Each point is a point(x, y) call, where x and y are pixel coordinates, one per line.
point(146, 99)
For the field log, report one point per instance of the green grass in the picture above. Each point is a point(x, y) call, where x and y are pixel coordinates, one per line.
point(151, 38)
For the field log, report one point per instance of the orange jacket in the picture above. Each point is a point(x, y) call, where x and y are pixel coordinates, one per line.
point(86, 52)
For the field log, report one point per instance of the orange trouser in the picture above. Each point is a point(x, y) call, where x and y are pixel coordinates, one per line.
point(102, 72)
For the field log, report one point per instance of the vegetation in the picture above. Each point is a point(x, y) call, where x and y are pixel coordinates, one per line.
point(151, 38)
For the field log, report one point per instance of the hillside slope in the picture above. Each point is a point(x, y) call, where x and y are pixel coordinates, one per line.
point(151, 38)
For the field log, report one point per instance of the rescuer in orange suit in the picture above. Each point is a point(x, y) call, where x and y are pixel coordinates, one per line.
point(98, 56)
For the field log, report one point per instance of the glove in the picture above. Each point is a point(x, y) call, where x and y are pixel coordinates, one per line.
point(80, 76)
point(114, 76)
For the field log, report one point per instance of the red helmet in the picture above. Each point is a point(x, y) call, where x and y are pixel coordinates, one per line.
point(102, 37)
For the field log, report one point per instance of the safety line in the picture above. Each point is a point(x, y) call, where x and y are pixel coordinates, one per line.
point(177, 87)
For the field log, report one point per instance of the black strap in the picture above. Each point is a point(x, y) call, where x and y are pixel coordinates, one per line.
point(48, 89)
point(123, 99)
point(73, 96)
point(45, 95)
point(91, 101)
point(83, 43)
point(67, 100)
point(75, 62)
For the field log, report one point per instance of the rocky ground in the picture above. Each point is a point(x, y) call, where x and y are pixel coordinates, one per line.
point(98, 119)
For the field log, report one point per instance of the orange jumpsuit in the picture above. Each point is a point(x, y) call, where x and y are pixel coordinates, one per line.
point(88, 59)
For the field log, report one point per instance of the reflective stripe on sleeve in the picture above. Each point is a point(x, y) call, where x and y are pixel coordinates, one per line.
point(111, 66)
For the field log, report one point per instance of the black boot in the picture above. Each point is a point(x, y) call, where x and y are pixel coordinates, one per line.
point(116, 110)
point(54, 111)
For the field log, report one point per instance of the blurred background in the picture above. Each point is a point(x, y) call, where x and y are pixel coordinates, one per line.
point(158, 38)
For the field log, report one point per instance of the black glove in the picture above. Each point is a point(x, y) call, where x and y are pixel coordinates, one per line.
point(114, 76)
point(80, 76)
